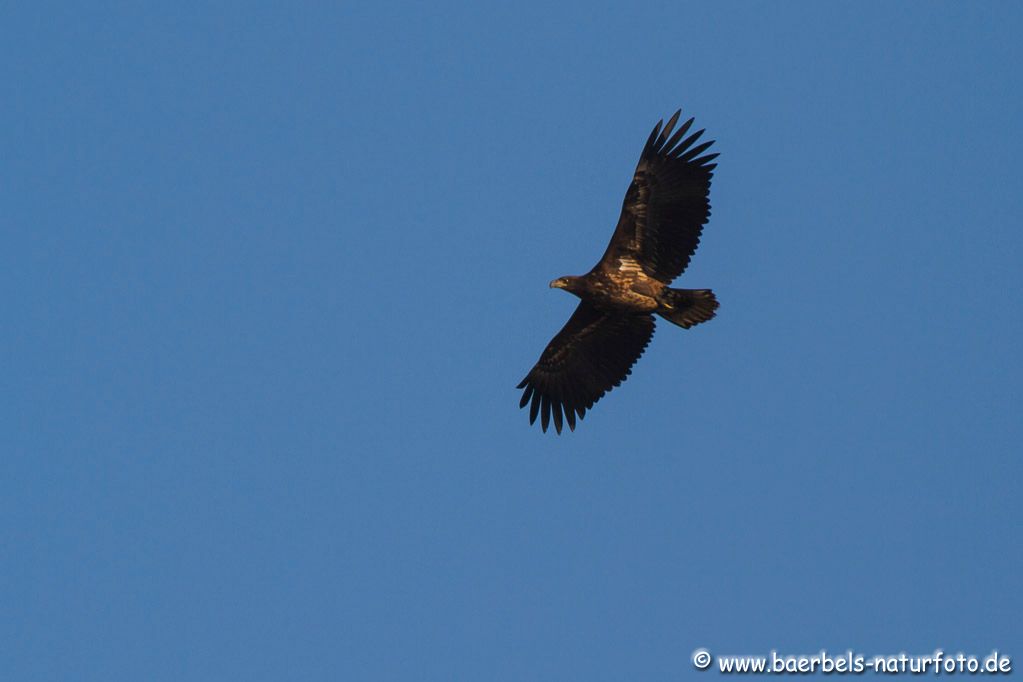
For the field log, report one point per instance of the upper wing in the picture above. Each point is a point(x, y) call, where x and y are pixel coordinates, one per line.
point(593, 353)
point(666, 205)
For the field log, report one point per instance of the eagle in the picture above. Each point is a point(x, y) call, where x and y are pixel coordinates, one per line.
point(663, 214)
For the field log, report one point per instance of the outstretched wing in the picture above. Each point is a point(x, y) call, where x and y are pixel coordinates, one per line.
point(666, 205)
point(593, 353)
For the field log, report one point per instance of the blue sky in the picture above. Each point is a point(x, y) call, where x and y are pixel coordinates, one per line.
point(272, 272)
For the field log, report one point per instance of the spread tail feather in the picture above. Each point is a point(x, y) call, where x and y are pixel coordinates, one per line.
point(687, 307)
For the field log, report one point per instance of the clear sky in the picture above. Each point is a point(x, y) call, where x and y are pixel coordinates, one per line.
point(271, 273)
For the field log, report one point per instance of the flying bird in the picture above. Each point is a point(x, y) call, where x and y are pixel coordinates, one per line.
point(663, 214)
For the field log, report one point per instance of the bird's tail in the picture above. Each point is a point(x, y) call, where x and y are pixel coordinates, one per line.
point(687, 307)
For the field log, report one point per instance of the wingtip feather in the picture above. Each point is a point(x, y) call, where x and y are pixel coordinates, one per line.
point(653, 136)
point(667, 129)
point(670, 144)
point(526, 395)
point(695, 151)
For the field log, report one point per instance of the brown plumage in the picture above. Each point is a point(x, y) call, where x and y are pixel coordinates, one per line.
point(663, 214)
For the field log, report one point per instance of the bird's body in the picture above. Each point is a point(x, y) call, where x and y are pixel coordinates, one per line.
point(662, 217)
point(622, 291)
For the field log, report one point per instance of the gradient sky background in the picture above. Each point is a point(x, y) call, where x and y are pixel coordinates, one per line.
point(272, 271)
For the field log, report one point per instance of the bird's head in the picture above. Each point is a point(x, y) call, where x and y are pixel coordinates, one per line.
point(568, 283)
